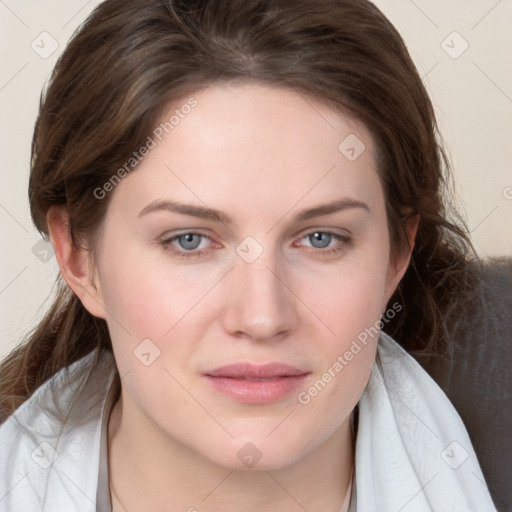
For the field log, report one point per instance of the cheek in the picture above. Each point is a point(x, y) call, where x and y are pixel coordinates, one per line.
point(352, 310)
point(349, 296)
point(149, 297)
point(134, 299)
point(167, 304)
point(352, 313)
point(350, 305)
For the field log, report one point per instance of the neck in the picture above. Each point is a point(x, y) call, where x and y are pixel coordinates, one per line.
point(152, 472)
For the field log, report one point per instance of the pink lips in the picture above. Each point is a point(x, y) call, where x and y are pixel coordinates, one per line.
point(255, 384)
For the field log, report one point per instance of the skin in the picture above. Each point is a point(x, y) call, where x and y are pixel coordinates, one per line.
point(260, 155)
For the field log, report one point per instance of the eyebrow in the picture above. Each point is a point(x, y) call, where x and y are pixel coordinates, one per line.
point(219, 216)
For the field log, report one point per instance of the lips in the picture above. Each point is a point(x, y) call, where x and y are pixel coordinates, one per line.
point(256, 384)
point(249, 371)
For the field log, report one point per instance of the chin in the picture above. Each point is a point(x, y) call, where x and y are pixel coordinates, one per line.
point(257, 453)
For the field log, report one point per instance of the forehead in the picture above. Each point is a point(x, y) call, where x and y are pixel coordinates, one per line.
point(279, 120)
point(251, 146)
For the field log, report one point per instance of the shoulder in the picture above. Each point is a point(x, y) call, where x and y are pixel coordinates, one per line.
point(50, 442)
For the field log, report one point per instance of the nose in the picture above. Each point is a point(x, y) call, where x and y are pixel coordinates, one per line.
point(261, 305)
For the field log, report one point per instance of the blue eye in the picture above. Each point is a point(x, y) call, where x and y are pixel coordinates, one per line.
point(323, 239)
point(188, 243)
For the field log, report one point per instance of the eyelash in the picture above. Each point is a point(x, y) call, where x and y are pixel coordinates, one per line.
point(345, 240)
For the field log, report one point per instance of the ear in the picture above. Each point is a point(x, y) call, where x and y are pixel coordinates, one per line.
point(397, 269)
point(75, 263)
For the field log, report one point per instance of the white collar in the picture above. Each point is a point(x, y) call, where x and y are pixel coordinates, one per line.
point(413, 452)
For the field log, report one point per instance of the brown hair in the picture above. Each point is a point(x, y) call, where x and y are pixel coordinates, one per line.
point(132, 58)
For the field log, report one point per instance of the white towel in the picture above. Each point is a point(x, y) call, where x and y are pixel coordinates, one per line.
point(413, 453)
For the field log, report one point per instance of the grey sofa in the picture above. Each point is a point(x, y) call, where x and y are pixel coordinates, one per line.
point(478, 378)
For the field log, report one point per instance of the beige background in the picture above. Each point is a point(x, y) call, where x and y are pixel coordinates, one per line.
point(472, 92)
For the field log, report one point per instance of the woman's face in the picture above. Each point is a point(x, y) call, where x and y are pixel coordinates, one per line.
point(291, 271)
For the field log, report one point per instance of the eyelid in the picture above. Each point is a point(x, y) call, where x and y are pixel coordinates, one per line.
point(332, 230)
